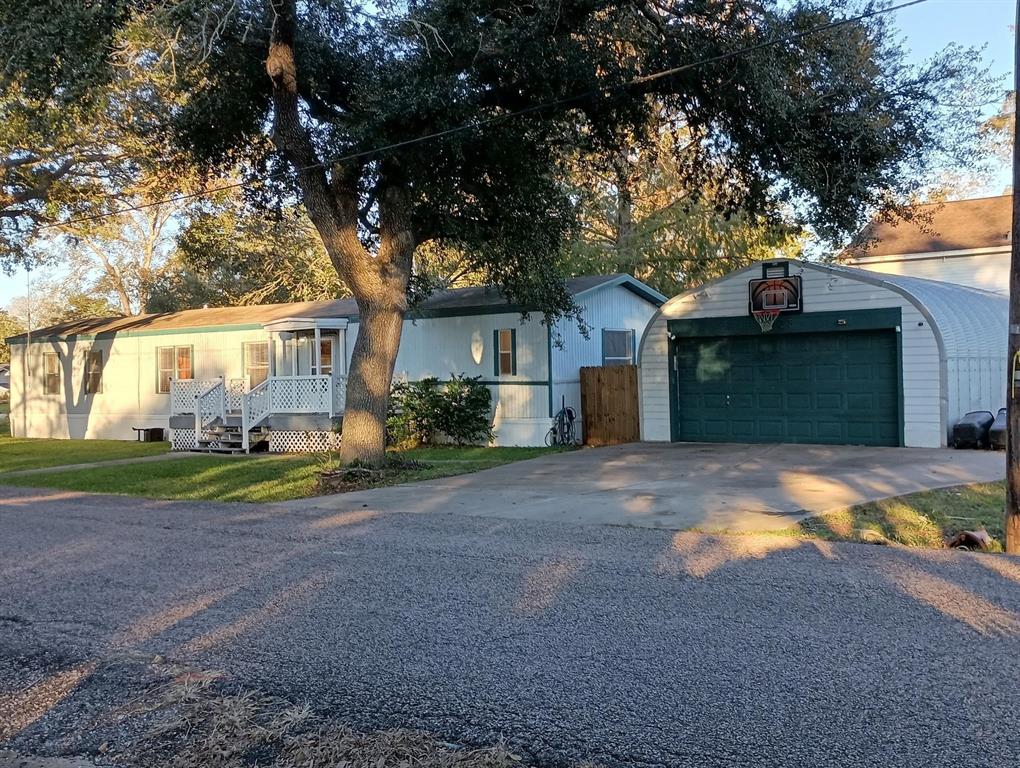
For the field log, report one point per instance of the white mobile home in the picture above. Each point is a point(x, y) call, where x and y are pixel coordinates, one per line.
point(853, 357)
point(279, 371)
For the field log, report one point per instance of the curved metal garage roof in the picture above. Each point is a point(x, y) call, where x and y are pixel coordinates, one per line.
point(967, 321)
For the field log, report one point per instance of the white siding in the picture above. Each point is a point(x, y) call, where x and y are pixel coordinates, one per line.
point(464, 345)
point(987, 270)
point(824, 291)
point(429, 347)
point(972, 324)
point(129, 398)
point(611, 308)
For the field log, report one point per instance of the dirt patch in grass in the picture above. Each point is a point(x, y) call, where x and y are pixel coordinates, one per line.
point(925, 519)
point(335, 478)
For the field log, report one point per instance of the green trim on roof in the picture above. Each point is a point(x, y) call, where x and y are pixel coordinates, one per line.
point(22, 339)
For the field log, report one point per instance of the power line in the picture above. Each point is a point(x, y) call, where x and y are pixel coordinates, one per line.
point(483, 122)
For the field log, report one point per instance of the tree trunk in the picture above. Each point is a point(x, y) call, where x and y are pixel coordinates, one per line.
point(368, 383)
point(378, 281)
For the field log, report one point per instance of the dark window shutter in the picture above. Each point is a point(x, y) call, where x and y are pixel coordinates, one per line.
point(495, 352)
point(513, 351)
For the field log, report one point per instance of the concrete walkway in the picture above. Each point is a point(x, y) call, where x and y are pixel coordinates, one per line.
point(681, 486)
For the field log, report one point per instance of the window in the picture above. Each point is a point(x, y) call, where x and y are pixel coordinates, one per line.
point(51, 373)
point(325, 357)
point(93, 371)
point(172, 363)
point(617, 347)
point(504, 344)
point(256, 362)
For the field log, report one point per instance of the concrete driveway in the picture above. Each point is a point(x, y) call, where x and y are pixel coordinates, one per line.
point(681, 486)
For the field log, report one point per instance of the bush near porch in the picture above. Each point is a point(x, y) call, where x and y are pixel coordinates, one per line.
point(430, 412)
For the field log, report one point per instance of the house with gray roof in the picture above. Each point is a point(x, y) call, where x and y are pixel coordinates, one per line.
point(966, 242)
point(233, 377)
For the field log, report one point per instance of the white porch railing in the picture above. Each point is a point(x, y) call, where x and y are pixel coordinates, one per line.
point(236, 389)
point(301, 394)
point(208, 400)
point(339, 395)
point(184, 392)
point(209, 406)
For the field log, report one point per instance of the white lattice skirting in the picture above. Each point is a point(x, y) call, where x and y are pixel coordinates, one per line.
point(292, 441)
point(183, 439)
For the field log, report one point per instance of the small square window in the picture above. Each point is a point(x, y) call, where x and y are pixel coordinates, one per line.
point(617, 347)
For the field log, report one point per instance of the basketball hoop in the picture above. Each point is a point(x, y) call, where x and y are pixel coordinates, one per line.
point(765, 318)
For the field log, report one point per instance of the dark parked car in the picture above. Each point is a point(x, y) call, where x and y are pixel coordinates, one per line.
point(997, 434)
point(972, 430)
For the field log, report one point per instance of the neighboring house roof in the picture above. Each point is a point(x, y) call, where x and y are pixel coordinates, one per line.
point(957, 225)
point(457, 301)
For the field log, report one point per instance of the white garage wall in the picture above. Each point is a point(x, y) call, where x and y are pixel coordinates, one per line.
point(823, 291)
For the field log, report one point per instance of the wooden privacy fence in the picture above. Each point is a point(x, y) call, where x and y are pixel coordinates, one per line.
point(609, 405)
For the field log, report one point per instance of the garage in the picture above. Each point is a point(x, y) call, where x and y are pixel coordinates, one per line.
point(796, 352)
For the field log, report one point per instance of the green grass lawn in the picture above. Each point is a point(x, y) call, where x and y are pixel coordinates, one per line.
point(18, 453)
point(923, 519)
point(257, 478)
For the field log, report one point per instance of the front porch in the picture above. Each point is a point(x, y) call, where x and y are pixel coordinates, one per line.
point(291, 397)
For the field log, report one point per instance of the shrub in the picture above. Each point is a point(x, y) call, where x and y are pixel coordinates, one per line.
point(429, 411)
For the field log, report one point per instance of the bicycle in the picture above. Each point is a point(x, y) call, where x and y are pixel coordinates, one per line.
point(562, 430)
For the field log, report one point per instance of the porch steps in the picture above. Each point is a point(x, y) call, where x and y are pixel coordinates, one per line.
point(226, 437)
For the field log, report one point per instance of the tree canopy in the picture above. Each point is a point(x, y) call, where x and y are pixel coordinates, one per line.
point(452, 123)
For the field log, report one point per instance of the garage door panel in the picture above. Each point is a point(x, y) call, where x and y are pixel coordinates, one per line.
point(743, 401)
point(806, 388)
point(861, 401)
point(742, 429)
point(829, 400)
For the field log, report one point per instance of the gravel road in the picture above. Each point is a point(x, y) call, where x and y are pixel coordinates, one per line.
point(618, 645)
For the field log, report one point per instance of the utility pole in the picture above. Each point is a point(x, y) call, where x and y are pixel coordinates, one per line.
point(1012, 521)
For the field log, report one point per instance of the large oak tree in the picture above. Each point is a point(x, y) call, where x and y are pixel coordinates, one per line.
point(356, 109)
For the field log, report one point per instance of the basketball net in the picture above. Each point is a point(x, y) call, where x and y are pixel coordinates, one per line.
point(765, 318)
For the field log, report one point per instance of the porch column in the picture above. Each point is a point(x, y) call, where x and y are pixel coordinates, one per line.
point(317, 352)
point(272, 354)
point(293, 358)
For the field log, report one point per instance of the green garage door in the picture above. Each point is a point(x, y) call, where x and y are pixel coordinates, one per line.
point(835, 388)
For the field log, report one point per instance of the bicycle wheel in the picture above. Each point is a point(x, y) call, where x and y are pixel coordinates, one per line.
point(550, 437)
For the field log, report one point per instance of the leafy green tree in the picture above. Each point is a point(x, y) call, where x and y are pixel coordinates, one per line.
point(79, 120)
point(638, 214)
point(833, 121)
point(228, 255)
point(9, 326)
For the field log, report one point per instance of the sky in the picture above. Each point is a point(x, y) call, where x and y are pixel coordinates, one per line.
point(926, 28)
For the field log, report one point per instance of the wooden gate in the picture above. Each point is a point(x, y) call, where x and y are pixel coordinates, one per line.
point(609, 405)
